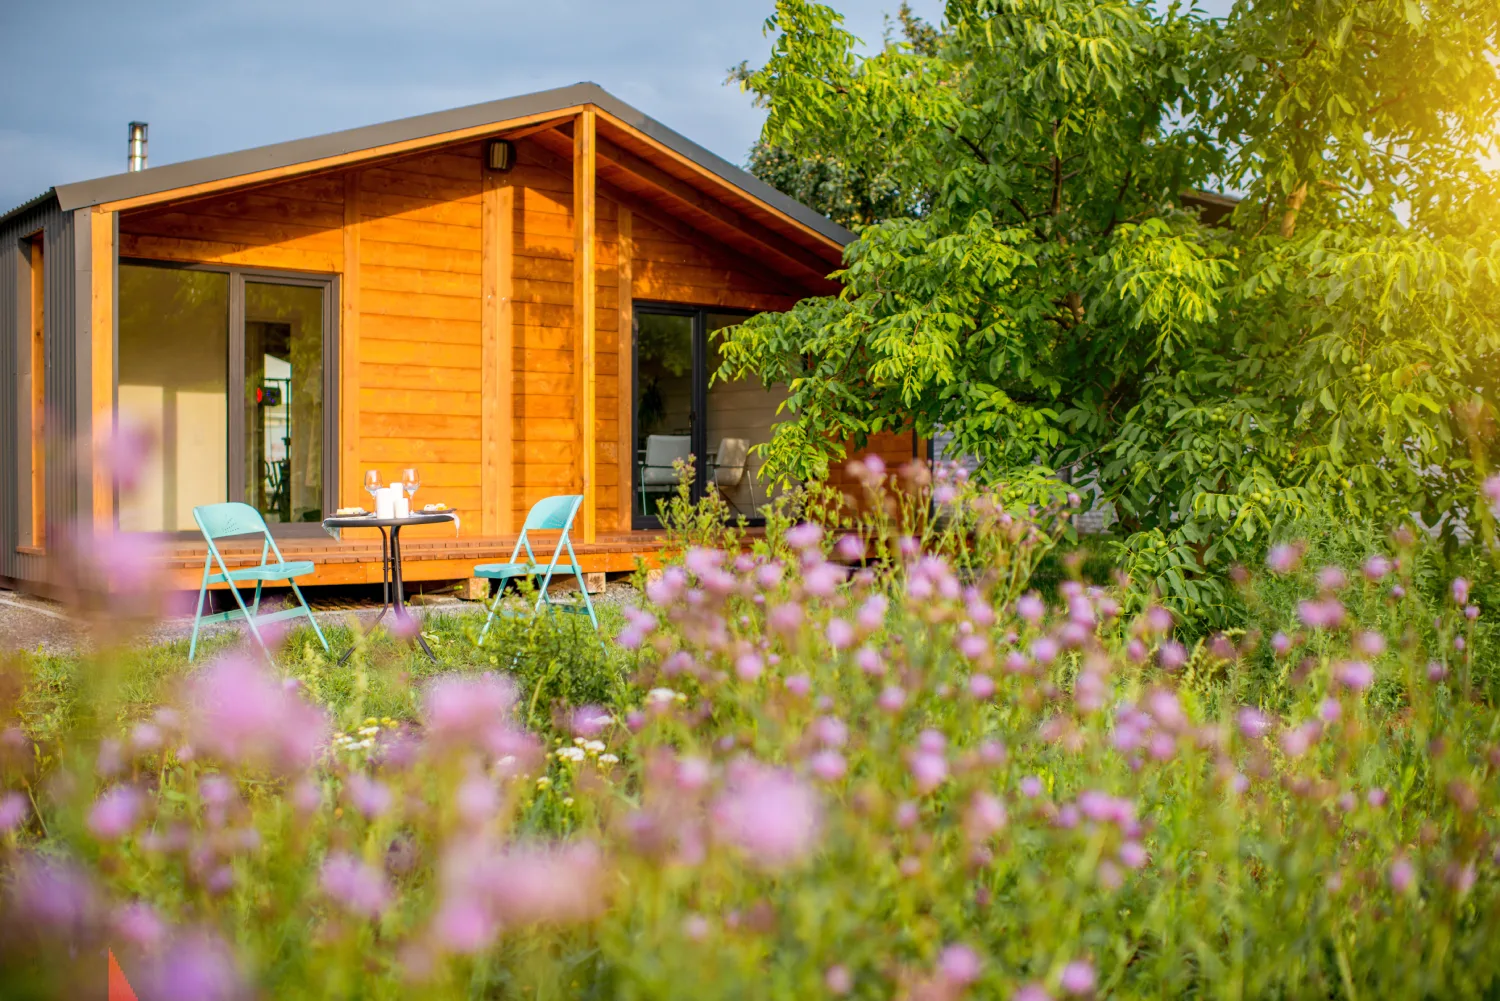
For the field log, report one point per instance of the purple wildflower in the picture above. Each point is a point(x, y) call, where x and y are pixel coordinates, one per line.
point(959, 965)
point(928, 770)
point(1402, 875)
point(13, 811)
point(1253, 723)
point(748, 666)
point(827, 765)
point(986, 816)
point(1078, 977)
point(1172, 655)
point(358, 887)
point(1030, 607)
point(196, 967)
point(369, 796)
point(1355, 675)
point(115, 813)
point(769, 815)
point(840, 634)
point(1460, 591)
point(1332, 578)
point(838, 980)
point(1283, 558)
point(831, 731)
point(804, 536)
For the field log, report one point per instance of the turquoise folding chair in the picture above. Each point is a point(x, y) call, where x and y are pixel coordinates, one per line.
point(217, 521)
point(550, 514)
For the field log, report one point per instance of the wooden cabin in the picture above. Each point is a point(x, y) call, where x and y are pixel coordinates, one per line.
point(517, 299)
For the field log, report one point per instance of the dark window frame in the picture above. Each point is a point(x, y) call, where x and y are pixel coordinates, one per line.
point(235, 375)
point(699, 402)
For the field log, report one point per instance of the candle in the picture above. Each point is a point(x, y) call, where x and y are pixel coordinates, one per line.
point(403, 506)
point(385, 504)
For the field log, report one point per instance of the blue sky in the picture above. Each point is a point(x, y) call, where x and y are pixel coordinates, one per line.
point(212, 76)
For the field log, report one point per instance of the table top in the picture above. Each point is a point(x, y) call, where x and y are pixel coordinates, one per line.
point(370, 521)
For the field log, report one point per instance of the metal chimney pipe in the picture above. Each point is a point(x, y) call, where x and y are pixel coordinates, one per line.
point(137, 159)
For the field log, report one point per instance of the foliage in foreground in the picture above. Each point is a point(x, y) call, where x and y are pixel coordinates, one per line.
point(858, 758)
point(1040, 292)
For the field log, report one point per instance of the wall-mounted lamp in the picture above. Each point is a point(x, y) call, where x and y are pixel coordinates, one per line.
point(501, 156)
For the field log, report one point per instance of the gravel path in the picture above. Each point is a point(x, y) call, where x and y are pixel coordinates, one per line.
point(31, 623)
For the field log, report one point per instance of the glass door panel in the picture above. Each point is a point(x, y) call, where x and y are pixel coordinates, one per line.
point(174, 384)
point(738, 415)
point(664, 405)
point(283, 401)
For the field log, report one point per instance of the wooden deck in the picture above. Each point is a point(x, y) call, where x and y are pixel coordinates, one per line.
point(356, 558)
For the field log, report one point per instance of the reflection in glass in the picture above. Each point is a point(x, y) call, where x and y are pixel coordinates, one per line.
point(284, 401)
point(663, 405)
point(740, 413)
point(173, 359)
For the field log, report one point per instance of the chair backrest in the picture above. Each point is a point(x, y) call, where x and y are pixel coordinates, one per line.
point(665, 449)
point(232, 518)
point(731, 461)
point(553, 514)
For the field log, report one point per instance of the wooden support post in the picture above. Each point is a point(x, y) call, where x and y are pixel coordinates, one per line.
point(584, 318)
point(102, 237)
point(37, 398)
point(497, 336)
point(625, 336)
point(351, 476)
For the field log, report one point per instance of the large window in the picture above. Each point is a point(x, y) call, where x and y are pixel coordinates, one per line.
point(683, 413)
point(233, 373)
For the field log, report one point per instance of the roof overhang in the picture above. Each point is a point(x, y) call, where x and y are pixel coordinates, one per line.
point(262, 164)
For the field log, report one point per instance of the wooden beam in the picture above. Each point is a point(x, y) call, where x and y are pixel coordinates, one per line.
point(102, 238)
point(497, 338)
point(702, 203)
point(625, 339)
point(585, 253)
point(714, 181)
point(351, 476)
point(550, 146)
point(340, 160)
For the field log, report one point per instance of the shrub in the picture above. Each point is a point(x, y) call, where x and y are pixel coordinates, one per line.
point(854, 757)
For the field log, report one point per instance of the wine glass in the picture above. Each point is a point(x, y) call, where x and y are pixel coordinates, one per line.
point(410, 481)
point(372, 483)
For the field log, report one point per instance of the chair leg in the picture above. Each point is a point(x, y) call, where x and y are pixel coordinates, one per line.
point(310, 617)
point(197, 618)
point(249, 619)
point(494, 609)
point(588, 602)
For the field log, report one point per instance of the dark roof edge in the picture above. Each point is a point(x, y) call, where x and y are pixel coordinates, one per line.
point(28, 205)
point(226, 165)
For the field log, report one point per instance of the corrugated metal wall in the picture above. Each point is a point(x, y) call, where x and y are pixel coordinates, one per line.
point(61, 377)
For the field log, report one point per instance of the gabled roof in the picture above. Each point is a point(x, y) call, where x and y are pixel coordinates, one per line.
point(156, 180)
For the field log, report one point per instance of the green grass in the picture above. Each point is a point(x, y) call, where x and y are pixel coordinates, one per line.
point(561, 652)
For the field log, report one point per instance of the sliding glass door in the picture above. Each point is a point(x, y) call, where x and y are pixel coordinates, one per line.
point(686, 418)
point(232, 372)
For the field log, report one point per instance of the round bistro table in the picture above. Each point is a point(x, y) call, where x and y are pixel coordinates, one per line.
point(393, 598)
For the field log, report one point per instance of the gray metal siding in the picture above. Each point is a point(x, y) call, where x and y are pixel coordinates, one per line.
point(58, 248)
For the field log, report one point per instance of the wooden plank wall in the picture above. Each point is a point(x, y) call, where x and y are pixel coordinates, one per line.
point(420, 371)
point(414, 361)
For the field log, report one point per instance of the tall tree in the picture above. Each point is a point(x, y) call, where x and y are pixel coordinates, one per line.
point(1054, 301)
